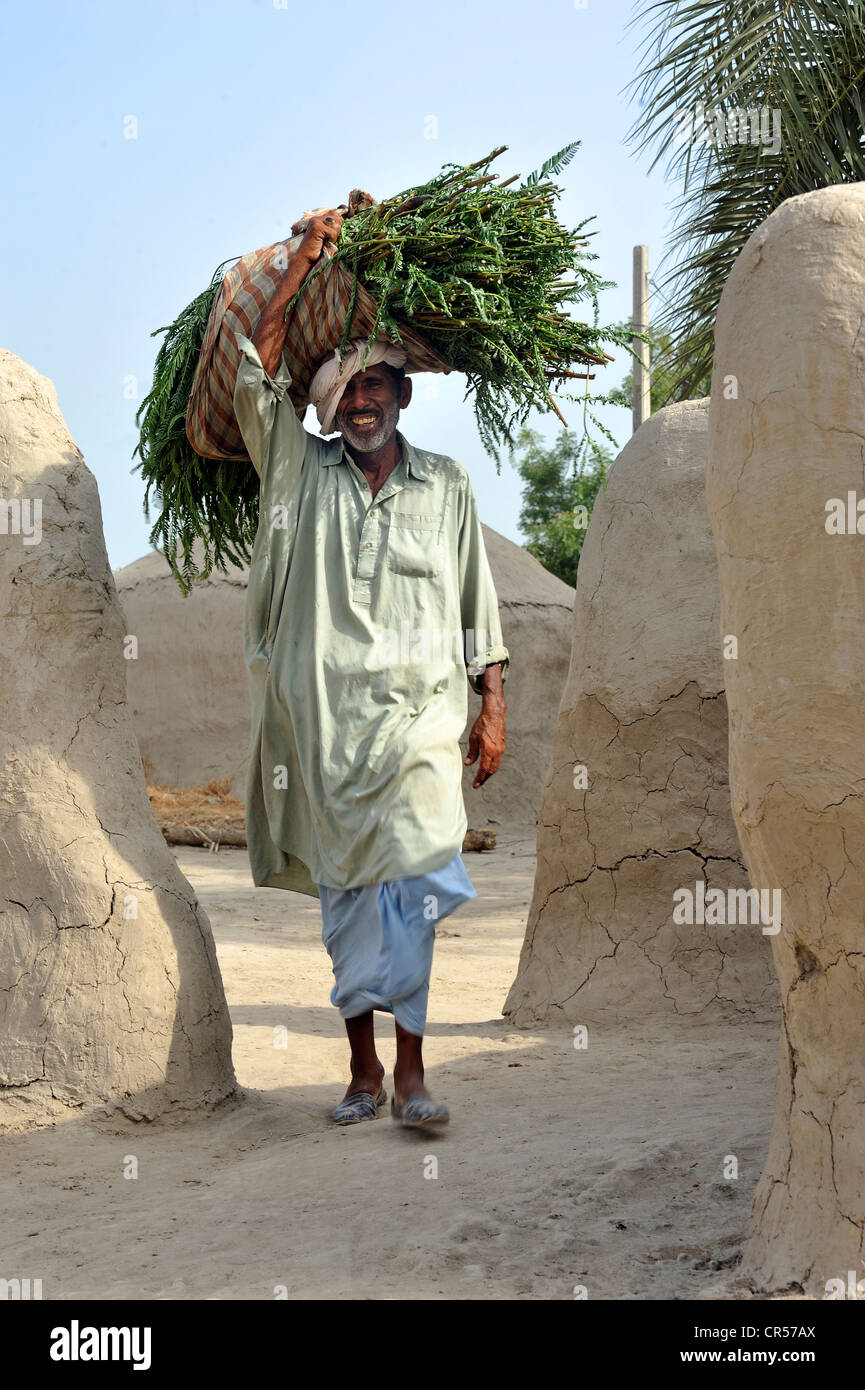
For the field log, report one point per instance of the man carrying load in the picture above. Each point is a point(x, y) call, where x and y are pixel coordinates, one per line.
point(368, 549)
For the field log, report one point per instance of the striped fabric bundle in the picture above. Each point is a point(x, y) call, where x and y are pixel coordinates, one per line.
point(314, 330)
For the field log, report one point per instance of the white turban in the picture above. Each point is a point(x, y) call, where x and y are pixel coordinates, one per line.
point(327, 386)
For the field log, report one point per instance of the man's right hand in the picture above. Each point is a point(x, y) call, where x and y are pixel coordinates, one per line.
point(323, 227)
point(269, 336)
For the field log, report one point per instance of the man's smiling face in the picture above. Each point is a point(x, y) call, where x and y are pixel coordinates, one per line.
point(368, 412)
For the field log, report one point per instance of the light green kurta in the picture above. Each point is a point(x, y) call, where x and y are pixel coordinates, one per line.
point(355, 619)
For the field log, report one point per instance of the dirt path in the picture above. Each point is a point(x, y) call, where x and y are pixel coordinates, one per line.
point(601, 1168)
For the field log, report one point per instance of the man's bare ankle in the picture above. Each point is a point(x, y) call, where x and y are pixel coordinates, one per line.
point(408, 1084)
point(365, 1079)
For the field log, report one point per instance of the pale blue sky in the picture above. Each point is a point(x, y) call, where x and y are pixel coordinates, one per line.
point(247, 113)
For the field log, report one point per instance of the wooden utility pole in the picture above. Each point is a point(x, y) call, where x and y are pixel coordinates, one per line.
point(642, 371)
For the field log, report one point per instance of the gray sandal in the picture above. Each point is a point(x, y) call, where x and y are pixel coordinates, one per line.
point(361, 1106)
point(419, 1111)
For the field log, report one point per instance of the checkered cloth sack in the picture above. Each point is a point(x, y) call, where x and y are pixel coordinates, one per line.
point(314, 329)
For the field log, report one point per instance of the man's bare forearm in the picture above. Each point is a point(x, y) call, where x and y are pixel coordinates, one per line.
point(269, 336)
point(492, 689)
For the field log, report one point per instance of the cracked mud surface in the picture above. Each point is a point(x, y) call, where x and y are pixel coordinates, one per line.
point(644, 714)
point(601, 935)
point(108, 979)
point(792, 440)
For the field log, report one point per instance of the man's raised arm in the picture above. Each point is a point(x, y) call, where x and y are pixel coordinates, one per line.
point(269, 336)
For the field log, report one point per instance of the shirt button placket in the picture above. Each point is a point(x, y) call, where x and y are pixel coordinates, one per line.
point(366, 558)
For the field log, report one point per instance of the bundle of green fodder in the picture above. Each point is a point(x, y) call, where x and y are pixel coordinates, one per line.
point(481, 271)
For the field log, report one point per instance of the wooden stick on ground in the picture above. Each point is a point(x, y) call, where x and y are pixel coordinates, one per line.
point(215, 835)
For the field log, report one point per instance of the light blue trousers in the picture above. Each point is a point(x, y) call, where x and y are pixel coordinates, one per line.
point(380, 940)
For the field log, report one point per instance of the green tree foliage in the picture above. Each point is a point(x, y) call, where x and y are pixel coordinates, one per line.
point(560, 483)
point(706, 65)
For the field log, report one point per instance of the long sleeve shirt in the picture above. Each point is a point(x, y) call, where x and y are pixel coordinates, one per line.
point(366, 620)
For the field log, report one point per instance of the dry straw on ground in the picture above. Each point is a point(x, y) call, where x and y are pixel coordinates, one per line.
point(210, 815)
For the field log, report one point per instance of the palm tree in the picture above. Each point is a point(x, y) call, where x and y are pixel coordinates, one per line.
point(751, 102)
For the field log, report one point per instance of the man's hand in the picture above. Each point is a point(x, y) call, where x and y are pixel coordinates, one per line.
point(487, 737)
point(269, 336)
point(322, 227)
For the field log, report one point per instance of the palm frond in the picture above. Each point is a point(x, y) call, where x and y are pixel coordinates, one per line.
point(803, 65)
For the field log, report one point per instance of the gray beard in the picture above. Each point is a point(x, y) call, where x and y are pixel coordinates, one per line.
point(366, 443)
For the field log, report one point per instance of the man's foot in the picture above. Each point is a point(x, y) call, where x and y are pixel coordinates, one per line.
point(367, 1081)
point(363, 1099)
point(412, 1104)
point(408, 1081)
point(360, 1106)
point(420, 1111)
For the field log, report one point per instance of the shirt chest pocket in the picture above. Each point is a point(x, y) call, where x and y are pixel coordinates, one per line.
point(414, 546)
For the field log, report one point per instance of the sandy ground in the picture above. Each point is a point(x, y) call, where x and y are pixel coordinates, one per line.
point(600, 1167)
